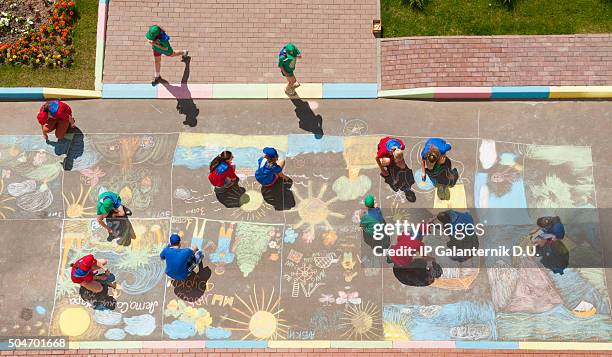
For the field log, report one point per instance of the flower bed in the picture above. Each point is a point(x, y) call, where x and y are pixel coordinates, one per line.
point(50, 45)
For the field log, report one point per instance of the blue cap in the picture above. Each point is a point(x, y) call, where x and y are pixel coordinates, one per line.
point(270, 152)
point(175, 239)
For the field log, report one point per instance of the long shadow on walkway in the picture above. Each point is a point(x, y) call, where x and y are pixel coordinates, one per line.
point(309, 121)
point(184, 102)
point(194, 287)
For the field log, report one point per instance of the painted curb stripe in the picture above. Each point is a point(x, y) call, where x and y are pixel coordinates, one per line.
point(487, 345)
point(74, 345)
point(557, 92)
point(534, 92)
point(565, 346)
point(100, 44)
point(424, 344)
point(129, 91)
point(4, 346)
point(414, 93)
point(462, 93)
point(305, 91)
point(185, 91)
point(236, 344)
point(240, 91)
point(174, 344)
point(350, 90)
point(108, 345)
point(299, 344)
point(61, 93)
point(21, 93)
point(361, 344)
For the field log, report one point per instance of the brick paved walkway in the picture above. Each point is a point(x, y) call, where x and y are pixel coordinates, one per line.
point(311, 353)
point(238, 40)
point(496, 61)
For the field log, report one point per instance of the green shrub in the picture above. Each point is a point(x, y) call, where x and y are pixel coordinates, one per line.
point(415, 4)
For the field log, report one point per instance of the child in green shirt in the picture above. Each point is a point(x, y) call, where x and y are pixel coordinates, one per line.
point(287, 58)
point(160, 42)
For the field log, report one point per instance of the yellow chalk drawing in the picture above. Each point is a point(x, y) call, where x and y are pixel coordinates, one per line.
point(313, 210)
point(232, 141)
point(74, 321)
point(261, 317)
point(394, 325)
point(77, 207)
point(361, 321)
point(457, 198)
point(360, 151)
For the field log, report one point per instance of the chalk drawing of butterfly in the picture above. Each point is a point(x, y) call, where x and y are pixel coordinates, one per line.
point(350, 298)
point(327, 299)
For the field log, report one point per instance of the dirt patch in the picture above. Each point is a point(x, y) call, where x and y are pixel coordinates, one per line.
point(20, 16)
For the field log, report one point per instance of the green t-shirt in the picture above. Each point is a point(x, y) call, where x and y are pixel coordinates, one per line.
point(107, 201)
point(287, 61)
point(368, 222)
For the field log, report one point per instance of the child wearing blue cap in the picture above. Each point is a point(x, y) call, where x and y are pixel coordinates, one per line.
point(269, 168)
point(437, 166)
point(180, 262)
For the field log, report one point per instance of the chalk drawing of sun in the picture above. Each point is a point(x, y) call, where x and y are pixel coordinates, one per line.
point(251, 202)
point(361, 321)
point(76, 207)
point(261, 318)
point(313, 210)
point(394, 325)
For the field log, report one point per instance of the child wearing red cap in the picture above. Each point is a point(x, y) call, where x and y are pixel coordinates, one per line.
point(84, 273)
point(55, 116)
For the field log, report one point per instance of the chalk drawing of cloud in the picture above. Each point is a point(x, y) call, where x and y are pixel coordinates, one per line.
point(218, 333)
point(350, 189)
point(115, 334)
point(179, 329)
point(142, 325)
point(107, 317)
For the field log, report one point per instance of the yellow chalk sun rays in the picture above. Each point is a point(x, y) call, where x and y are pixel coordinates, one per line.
point(263, 321)
point(76, 208)
point(361, 321)
point(313, 210)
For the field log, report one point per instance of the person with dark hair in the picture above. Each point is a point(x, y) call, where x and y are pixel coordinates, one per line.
point(462, 230)
point(160, 42)
point(180, 262)
point(55, 115)
point(437, 166)
point(400, 176)
point(549, 229)
point(223, 172)
point(270, 168)
point(109, 206)
point(85, 273)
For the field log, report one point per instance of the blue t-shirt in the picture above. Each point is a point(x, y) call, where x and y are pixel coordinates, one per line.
point(178, 261)
point(462, 218)
point(557, 229)
point(266, 173)
point(438, 143)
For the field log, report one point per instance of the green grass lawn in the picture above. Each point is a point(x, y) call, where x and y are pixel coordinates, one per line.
point(488, 17)
point(80, 75)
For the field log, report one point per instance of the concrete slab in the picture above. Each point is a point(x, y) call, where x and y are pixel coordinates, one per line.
point(245, 91)
point(350, 90)
point(129, 91)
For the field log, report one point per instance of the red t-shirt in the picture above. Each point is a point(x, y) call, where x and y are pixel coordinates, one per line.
point(63, 113)
point(223, 171)
point(84, 264)
point(384, 149)
point(405, 240)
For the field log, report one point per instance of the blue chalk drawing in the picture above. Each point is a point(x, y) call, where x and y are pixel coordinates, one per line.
point(290, 236)
point(40, 310)
point(308, 144)
point(142, 325)
point(420, 184)
point(179, 330)
point(107, 317)
point(115, 334)
point(200, 157)
point(222, 254)
point(218, 333)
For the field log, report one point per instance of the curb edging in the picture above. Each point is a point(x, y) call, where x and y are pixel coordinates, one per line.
point(501, 93)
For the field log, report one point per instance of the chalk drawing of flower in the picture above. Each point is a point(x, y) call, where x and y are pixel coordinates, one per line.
point(92, 176)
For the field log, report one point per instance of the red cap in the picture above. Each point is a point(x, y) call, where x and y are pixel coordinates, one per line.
point(86, 262)
point(42, 117)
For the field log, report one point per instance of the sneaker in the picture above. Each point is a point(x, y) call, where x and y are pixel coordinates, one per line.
point(128, 212)
point(186, 54)
point(410, 196)
point(440, 192)
point(156, 80)
point(296, 84)
point(290, 92)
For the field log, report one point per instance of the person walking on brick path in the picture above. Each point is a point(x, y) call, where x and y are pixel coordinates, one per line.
point(438, 167)
point(55, 116)
point(287, 58)
point(180, 262)
point(160, 42)
point(109, 206)
point(222, 172)
point(85, 272)
point(270, 168)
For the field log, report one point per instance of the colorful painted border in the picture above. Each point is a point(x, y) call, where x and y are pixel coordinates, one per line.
point(501, 93)
point(254, 344)
point(100, 42)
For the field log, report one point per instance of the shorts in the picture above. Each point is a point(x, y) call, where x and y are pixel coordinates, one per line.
point(288, 74)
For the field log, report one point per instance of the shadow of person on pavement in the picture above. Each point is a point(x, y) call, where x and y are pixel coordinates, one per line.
point(279, 195)
point(184, 102)
point(72, 145)
point(233, 196)
point(194, 286)
point(309, 121)
point(99, 301)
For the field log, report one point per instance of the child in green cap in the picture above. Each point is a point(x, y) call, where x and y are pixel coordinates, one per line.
point(160, 42)
point(371, 217)
point(287, 58)
point(109, 206)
